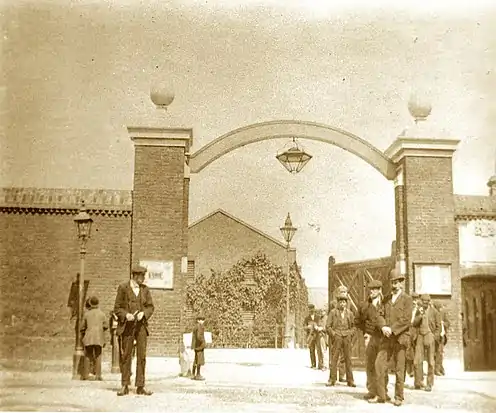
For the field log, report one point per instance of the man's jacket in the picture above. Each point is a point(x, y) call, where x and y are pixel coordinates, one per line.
point(127, 302)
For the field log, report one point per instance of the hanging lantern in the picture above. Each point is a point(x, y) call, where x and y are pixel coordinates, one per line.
point(294, 159)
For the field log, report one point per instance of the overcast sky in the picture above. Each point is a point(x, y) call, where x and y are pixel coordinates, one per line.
point(76, 73)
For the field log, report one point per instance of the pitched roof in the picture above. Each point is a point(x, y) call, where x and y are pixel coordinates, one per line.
point(250, 227)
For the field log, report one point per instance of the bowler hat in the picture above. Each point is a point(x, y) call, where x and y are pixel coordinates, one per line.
point(415, 295)
point(200, 317)
point(311, 307)
point(375, 284)
point(93, 301)
point(394, 275)
point(425, 297)
point(138, 269)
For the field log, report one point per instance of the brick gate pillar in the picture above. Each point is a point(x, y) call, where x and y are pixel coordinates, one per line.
point(427, 234)
point(160, 225)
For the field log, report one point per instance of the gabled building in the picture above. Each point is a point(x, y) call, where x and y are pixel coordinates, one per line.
point(219, 240)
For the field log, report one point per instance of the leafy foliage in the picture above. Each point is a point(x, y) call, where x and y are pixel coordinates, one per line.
point(243, 305)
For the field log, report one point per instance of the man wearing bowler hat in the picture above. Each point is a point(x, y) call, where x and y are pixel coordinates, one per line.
point(366, 321)
point(395, 327)
point(133, 307)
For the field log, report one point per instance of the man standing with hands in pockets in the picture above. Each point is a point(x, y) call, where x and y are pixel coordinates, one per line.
point(133, 307)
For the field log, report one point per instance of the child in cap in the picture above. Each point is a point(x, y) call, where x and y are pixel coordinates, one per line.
point(198, 345)
point(93, 329)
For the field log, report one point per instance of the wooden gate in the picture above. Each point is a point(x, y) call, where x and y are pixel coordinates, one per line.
point(355, 276)
point(479, 322)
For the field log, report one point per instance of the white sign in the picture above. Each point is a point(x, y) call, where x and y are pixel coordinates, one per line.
point(187, 337)
point(159, 274)
point(434, 279)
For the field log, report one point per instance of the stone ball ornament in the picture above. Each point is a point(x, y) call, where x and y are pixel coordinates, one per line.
point(419, 108)
point(161, 96)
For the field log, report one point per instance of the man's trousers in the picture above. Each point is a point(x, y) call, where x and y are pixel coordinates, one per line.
point(390, 350)
point(127, 342)
point(439, 357)
point(341, 346)
point(315, 345)
point(424, 350)
point(371, 352)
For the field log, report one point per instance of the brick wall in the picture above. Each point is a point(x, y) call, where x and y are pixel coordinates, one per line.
point(431, 230)
point(158, 231)
point(39, 260)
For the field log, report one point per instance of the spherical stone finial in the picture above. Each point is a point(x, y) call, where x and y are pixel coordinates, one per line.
point(420, 109)
point(161, 96)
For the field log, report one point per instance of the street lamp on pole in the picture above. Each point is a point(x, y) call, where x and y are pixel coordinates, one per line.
point(288, 231)
point(83, 225)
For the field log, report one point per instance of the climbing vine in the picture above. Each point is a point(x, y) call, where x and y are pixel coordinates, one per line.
point(243, 305)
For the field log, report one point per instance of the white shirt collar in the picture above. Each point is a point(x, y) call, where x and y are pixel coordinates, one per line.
point(135, 287)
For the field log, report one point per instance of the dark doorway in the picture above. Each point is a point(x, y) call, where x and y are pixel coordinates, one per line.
point(479, 322)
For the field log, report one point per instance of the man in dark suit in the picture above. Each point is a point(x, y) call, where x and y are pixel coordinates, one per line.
point(395, 327)
point(133, 307)
point(428, 322)
point(366, 322)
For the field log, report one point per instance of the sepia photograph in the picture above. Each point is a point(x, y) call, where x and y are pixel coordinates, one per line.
point(248, 206)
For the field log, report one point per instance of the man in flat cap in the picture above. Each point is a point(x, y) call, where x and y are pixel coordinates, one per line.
point(366, 322)
point(395, 327)
point(340, 291)
point(341, 329)
point(133, 307)
point(428, 321)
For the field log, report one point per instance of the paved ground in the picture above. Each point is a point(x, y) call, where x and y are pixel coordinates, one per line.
point(237, 380)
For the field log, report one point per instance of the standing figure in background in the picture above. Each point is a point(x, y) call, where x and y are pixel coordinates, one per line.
point(198, 345)
point(341, 291)
point(441, 343)
point(93, 329)
point(366, 321)
point(321, 341)
point(341, 328)
point(311, 323)
point(133, 307)
point(410, 351)
point(428, 321)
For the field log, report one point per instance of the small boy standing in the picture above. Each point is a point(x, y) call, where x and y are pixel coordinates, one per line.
point(93, 329)
point(198, 345)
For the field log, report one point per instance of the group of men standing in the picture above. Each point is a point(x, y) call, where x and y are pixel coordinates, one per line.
point(400, 332)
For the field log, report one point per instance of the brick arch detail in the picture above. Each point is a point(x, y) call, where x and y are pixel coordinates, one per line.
point(289, 129)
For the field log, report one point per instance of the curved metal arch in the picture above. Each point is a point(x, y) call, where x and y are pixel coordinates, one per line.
point(288, 129)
